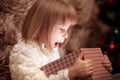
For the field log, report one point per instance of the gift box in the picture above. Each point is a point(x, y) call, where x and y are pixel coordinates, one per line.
point(95, 54)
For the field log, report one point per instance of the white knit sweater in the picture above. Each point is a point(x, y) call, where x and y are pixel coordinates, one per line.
point(26, 60)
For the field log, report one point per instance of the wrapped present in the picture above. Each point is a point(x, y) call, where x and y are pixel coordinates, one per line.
point(100, 72)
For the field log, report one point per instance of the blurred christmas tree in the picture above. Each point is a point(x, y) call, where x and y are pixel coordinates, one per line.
point(110, 15)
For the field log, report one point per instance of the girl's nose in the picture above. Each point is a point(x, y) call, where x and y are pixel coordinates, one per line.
point(66, 35)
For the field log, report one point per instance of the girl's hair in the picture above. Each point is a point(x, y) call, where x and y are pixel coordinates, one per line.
point(42, 17)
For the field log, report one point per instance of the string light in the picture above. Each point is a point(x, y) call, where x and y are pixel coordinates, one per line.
point(110, 2)
point(111, 47)
point(116, 31)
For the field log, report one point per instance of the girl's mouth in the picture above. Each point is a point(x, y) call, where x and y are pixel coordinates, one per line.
point(56, 44)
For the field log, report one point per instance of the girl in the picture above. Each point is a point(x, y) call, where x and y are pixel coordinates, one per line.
point(45, 27)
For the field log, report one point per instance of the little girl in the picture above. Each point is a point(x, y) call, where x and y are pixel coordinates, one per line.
point(46, 26)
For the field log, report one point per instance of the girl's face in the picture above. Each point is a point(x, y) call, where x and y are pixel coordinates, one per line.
point(59, 34)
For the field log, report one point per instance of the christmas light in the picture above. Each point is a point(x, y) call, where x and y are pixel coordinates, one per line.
point(116, 31)
point(110, 2)
point(111, 47)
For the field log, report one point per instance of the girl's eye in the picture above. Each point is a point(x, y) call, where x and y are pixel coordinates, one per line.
point(61, 29)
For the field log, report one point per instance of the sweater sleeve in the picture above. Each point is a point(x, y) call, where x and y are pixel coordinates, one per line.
point(23, 67)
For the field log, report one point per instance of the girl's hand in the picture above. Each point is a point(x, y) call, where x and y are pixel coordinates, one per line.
point(106, 62)
point(81, 68)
